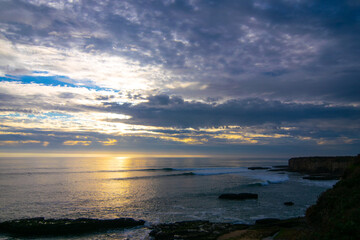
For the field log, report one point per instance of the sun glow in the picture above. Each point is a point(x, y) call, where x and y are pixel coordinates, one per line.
point(118, 155)
point(104, 70)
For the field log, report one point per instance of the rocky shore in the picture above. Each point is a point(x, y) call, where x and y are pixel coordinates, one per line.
point(204, 230)
point(58, 227)
point(335, 216)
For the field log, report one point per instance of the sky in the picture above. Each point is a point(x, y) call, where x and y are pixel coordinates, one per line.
point(244, 78)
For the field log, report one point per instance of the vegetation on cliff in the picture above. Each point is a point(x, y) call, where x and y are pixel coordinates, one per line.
point(336, 215)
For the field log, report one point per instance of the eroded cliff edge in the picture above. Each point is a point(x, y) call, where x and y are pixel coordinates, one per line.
point(336, 215)
point(317, 165)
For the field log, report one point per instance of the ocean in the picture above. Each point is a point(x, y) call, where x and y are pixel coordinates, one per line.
point(157, 190)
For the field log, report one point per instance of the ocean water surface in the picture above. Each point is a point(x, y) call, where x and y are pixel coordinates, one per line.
point(157, 190)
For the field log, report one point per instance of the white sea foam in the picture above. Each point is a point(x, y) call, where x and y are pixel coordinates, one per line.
point(170, 190)
point(265, 177)
point(319, 183)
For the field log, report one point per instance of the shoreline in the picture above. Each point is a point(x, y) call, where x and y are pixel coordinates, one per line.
point(311, 226)
point(263, 228)
point(268, 228)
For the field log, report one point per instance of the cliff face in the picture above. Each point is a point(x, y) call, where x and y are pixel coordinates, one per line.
point(333, 165)
point(336, 214)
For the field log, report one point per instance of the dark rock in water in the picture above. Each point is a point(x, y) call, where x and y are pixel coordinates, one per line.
point(278, 169)
point(239, 196)
point(56, 227)
point(193, 230)
point(288, 203)
point(258, 168)
point(280, 166)
point(267, 221)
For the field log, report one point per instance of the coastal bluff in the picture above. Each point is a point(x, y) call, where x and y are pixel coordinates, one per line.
point(317, 165)
point(335, 216)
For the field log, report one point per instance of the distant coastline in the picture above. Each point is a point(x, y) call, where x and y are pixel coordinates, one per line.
point(314, 165)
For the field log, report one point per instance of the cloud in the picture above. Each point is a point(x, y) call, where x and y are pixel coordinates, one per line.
point(72, 143)
point(100, 70)
point(172, 73)
point(163, 119)
point(275, 49)
point(37, 98)
point(166, 111)
point(2, 143)
point(109, 142)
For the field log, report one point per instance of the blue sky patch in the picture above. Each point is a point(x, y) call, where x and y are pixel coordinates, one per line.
point(56, 80)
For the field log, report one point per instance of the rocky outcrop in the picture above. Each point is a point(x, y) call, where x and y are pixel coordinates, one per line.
point(205, 230)
point(56, 227)
point(193, 230)
point(314, 165)
point(258, 168)
point(288, 203)
point(267, 221)
point(336, 215)
point(238, 196)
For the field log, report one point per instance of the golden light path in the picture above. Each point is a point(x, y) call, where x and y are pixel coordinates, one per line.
point(119, 156)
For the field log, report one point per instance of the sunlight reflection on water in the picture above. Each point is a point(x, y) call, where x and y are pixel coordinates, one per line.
point(153, 189)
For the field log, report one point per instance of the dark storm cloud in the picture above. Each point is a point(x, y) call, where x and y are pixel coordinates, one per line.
point(163, 110)
point(247, 48)
point(330, 86)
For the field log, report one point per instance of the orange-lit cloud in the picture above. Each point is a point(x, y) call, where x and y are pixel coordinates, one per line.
point(15, 133)
point(19, 142)
point(72, 143)
point(109, 142)
point(183, 140)
point(239, 138)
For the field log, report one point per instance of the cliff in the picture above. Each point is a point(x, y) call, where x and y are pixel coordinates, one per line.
point(314, 165)
point(336, 215)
